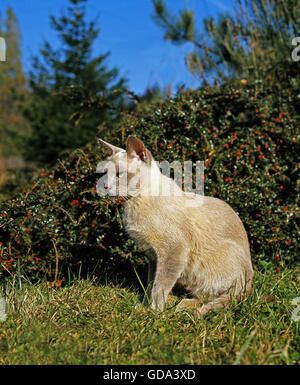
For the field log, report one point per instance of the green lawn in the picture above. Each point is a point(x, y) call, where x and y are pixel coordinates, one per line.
point(88, 323)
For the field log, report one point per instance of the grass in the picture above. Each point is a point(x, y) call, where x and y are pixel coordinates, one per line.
point(88, 323)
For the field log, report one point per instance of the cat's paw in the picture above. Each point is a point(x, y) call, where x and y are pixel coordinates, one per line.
point(139, 306)
point(188, 303)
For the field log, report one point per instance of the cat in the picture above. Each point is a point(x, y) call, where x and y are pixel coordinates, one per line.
point(203, 246)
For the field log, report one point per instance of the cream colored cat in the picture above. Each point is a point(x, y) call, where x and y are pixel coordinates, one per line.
point(202, 246)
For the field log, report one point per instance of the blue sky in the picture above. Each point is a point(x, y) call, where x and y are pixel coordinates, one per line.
point(127, 31)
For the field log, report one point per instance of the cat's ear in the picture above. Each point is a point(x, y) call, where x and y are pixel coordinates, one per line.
point(136, 148)
point(111, 150)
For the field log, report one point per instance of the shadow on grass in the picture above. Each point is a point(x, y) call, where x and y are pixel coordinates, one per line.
point(104, 271)
point(122, 273)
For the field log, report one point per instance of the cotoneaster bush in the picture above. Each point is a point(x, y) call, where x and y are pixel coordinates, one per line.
point(245, 134)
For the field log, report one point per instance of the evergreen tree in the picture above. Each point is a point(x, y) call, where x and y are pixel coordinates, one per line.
point(257, 37)
point(12, 86)
point(65, 83)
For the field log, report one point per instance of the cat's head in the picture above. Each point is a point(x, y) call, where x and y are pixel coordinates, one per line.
point(125, 172)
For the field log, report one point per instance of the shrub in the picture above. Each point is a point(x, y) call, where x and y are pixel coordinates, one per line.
point(245, 134)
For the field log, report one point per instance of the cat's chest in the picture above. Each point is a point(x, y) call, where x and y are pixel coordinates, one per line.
point(134, 226)
point(131, 222)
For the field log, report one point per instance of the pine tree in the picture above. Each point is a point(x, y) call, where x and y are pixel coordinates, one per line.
point(257, 37)
point(12, 86)
point(66, 82)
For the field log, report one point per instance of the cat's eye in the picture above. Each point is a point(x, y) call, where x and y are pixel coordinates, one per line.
point(121, 174)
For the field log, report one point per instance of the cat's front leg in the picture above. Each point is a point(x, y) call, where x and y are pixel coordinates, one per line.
point(170, 266)
point(150, 279)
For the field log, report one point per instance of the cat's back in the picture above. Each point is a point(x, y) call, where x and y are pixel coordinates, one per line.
point(188, 215)
point(176, 210)
point(220, 220)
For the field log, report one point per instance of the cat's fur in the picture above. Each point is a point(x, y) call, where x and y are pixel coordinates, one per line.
point(197, 241)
